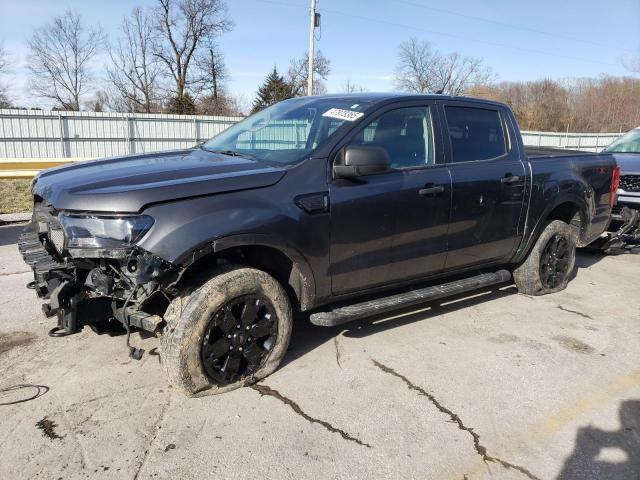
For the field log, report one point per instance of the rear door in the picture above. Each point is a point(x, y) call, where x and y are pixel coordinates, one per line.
point(488, 181)
point(393, 226)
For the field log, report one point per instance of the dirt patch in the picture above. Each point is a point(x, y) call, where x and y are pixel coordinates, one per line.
point(574, 344)
point(12, 340)
point(15, 196)
point(535, 344)
point(503, 338)
point(48, 428)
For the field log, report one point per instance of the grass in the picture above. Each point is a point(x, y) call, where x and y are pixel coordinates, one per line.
point(15, 196)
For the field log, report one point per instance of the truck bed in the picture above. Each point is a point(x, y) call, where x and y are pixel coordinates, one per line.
point(533, 152)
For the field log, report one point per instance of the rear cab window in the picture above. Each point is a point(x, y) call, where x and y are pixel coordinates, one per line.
point(475, 133)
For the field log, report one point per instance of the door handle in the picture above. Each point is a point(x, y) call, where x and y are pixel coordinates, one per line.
point(431, 190)
point(508, 178)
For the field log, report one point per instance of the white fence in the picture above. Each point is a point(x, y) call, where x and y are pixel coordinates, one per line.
point(588, 142)
point(38, 134)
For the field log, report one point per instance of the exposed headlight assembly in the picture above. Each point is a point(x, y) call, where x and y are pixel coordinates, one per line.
point(92, 236)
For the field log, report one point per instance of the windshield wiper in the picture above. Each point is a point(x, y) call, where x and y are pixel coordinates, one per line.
point(231, 153)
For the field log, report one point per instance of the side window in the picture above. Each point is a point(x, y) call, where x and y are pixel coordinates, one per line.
point(475, 133)
point(406, 133)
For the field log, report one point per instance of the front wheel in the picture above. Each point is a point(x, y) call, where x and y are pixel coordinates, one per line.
point(550, 262)
point(231, 331)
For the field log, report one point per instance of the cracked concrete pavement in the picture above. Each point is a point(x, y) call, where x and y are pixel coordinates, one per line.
point(491, 385)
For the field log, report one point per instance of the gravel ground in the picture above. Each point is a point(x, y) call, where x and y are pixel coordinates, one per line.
point(492, 385)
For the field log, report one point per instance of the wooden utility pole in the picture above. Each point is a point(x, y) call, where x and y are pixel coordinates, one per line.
point(312, 33)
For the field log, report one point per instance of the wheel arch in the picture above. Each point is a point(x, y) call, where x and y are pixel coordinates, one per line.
point(571, 210)
point(272, 255)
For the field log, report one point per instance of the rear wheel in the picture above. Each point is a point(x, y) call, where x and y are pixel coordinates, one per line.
point(550, 262)
point(231, 331)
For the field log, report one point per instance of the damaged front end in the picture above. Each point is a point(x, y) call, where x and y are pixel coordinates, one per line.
point(91, 273)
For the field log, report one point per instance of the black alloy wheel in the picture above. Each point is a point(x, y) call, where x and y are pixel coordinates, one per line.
point(554, 261)
point(238, 338)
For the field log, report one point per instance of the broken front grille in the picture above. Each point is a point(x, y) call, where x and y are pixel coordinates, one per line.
point(630, 183)
point(56, 238)
point(48, 226)
point(35, 254)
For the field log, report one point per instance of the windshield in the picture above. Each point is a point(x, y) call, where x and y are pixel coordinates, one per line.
point(628, 143)
point(288, 131)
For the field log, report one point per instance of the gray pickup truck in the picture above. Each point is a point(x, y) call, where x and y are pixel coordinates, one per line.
point(338, 206)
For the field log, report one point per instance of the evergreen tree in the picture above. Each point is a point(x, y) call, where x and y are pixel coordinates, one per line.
point(273, 90)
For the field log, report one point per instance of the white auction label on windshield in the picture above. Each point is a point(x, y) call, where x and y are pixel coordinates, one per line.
point(339, 113)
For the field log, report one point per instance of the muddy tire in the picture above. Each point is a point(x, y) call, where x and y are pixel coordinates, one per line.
point(551, 261)
point(227, 332)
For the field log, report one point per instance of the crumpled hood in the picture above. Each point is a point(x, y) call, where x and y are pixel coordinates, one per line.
point(129, 183)
point(628, 162)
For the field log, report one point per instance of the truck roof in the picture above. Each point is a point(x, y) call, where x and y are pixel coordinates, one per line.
point(380, 97)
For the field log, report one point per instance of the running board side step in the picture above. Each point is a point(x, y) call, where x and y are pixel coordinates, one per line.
point(357, 311)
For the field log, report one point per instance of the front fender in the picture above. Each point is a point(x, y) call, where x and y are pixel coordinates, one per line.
point(301, 280)
point(185, 231)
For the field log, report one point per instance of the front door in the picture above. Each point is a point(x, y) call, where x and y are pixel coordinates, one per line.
point(488, 182)
point(392, 227)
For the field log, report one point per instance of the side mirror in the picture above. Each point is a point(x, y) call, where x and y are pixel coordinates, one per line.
point(360, 160)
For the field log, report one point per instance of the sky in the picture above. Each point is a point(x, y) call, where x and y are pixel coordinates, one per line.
point(519, 40)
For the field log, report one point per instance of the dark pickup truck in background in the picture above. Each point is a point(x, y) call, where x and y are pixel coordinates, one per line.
point(339, 206)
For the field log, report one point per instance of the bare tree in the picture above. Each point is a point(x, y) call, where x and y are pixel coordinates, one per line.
point(3, 59)
point(135, 71)
point(212, 70)
point(211, 84)
point(60, 53)
point(538, 105)
point(224, 104)
point(423, 69)
point(184, 26)
point(99, 102)
point(604, 104)
point(349, 87)
point(4, 62)
point(298, 74)
point(632, 63)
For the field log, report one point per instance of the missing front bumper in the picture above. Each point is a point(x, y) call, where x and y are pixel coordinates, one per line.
point(48, 271)
point(79, 299)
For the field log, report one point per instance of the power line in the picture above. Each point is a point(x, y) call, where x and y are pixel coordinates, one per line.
point(279, 2)
point(514, 26)
point(446, 34)
point(468, 39)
